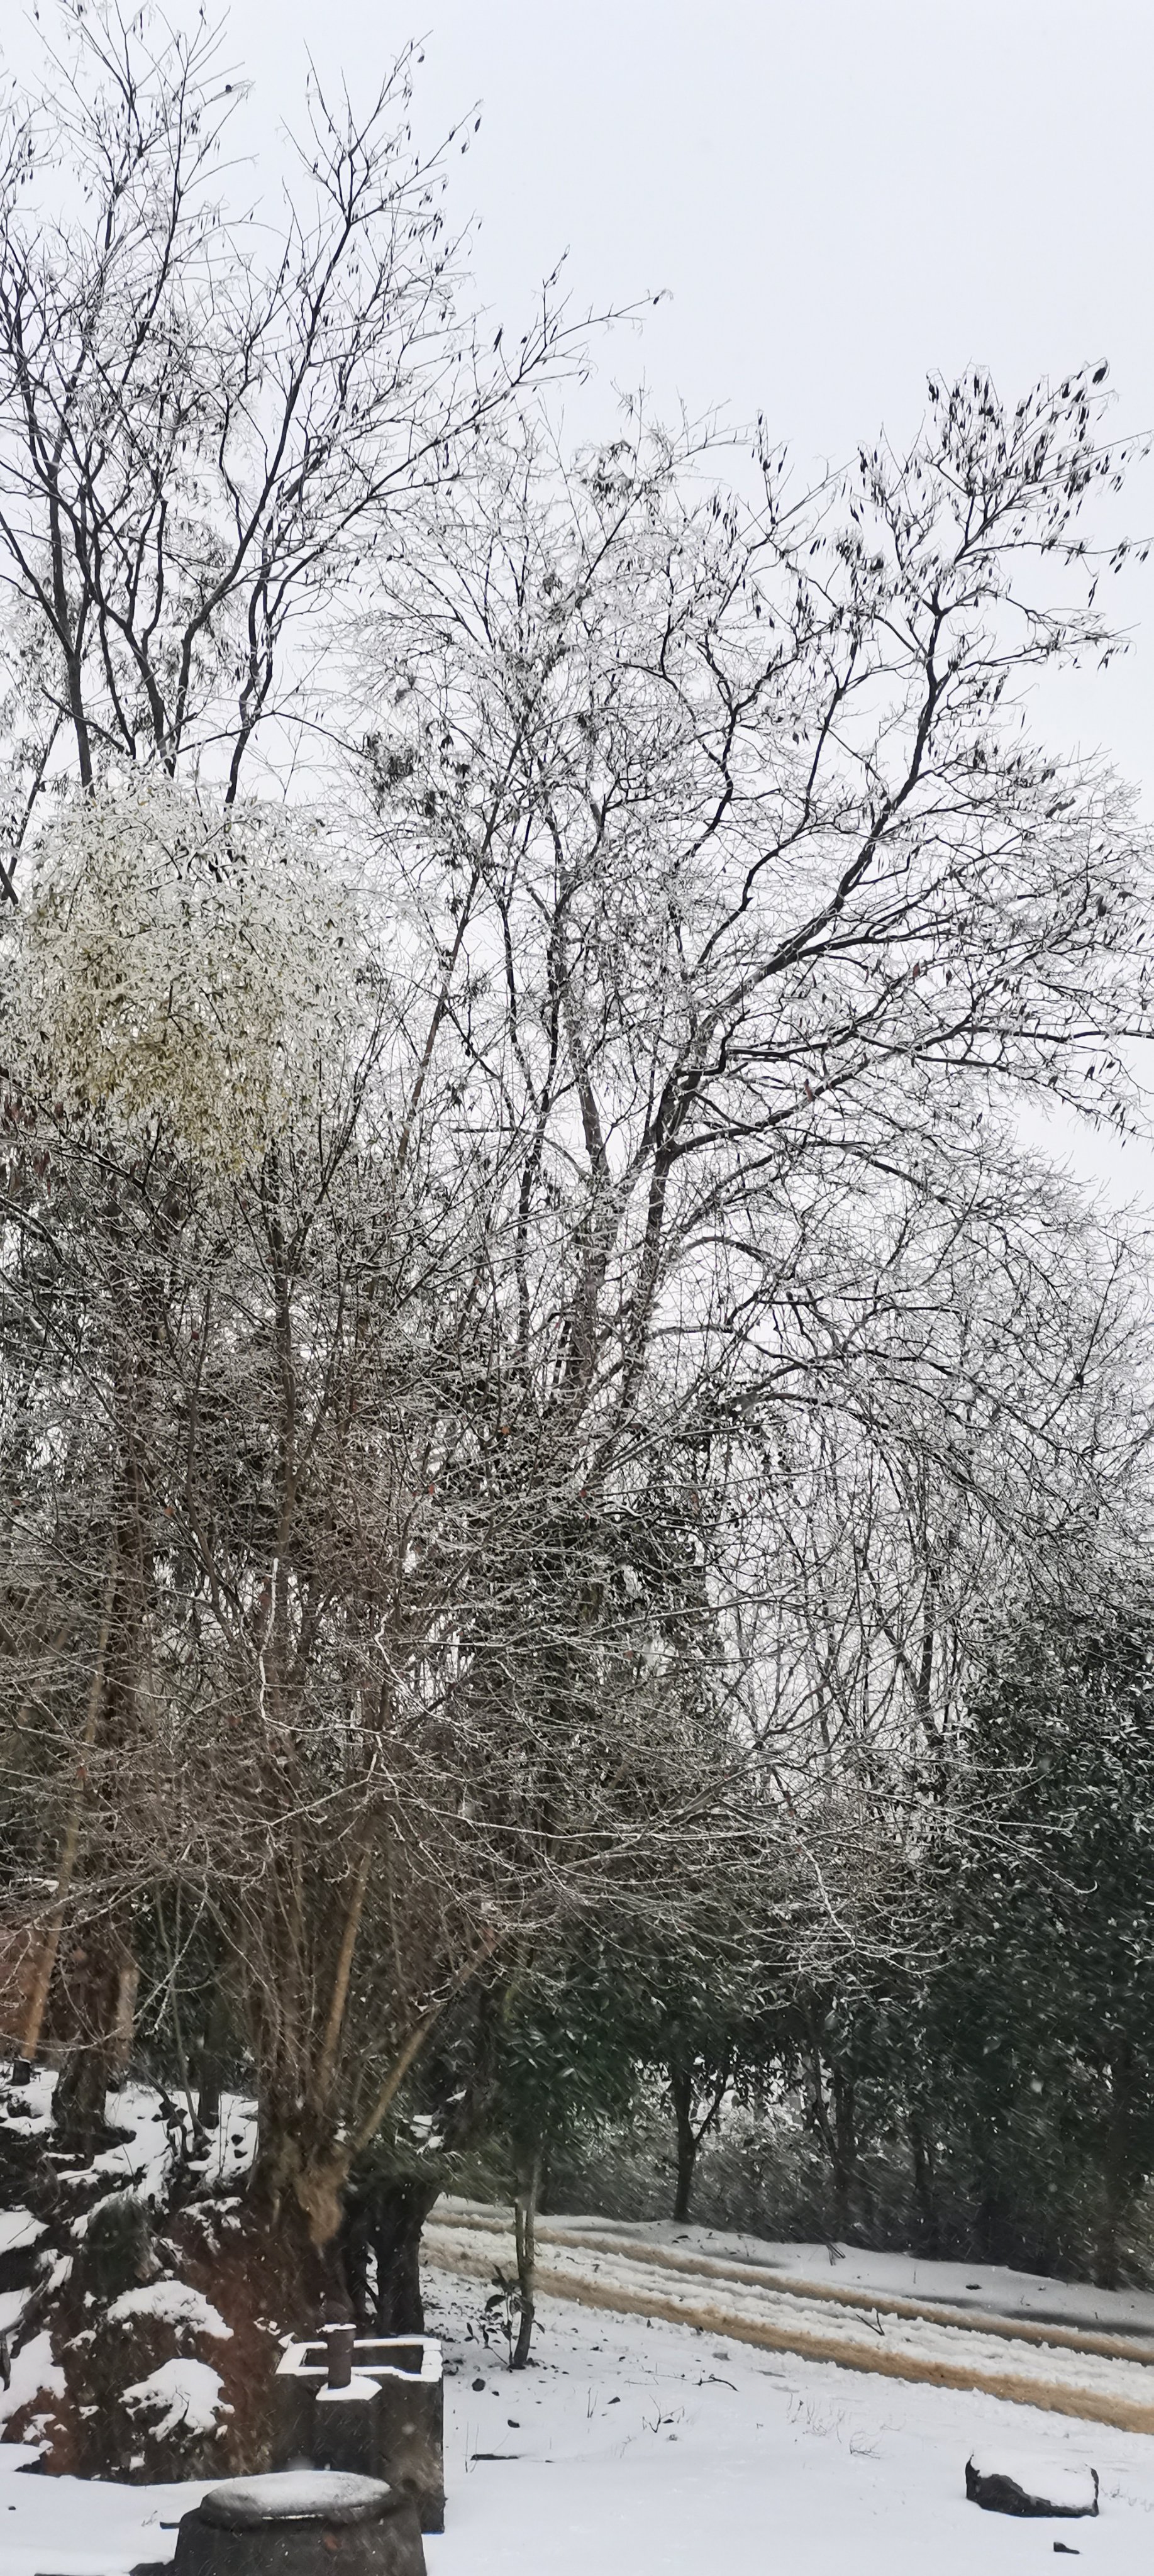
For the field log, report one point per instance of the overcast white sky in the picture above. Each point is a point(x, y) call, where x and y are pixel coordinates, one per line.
point(838, 195)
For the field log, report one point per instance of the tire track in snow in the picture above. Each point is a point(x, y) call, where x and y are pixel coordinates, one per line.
point(1062, 2371)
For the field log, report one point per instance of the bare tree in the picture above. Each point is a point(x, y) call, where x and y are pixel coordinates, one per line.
point(755, 913)
point(206, 423)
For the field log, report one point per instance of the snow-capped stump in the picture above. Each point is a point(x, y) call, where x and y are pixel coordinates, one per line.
point(301, 2523)
point(1021, 2482)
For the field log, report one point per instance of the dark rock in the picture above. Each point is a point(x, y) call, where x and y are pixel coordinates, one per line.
point(1010, 2483)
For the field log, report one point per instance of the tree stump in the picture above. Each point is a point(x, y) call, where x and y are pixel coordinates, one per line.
point(304, 2522)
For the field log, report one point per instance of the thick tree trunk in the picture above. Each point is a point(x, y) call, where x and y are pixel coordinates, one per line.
point(78, 2103)
point(93, 1999)
point(386, 2221)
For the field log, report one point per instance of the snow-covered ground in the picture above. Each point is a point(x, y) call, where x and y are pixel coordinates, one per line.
point(633, 2445)
point(143, 2158)
point(1072, 2370)
point(988, 2289)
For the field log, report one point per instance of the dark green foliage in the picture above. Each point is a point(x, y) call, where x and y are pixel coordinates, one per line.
point(1037, 2032)
point(980, 2083)
point(973, 2076)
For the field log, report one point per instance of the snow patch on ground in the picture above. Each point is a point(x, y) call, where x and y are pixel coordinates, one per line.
point(652, 2446)
point(233, 2143)
point(18, 2227)
point(29, 2105)
point(34, 2374)
point(173, 2301)
point(182, 2396)
point(142, 2160)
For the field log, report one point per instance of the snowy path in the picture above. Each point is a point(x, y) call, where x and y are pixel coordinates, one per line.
point(635, 2446)
point(1065, 2370)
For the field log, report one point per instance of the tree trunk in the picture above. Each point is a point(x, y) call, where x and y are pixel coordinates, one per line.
point(70, 1846)
point(210, 2061)
point(924, 2178)
point(396, 2214)
point(1116, 2173)
point(124, 2026)
point(78, 2104)
point(992, 2230)
point(681, 2092)
point(845, 2153)
point(92, 1995)
point(524, 2219)
point(208, 2094)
